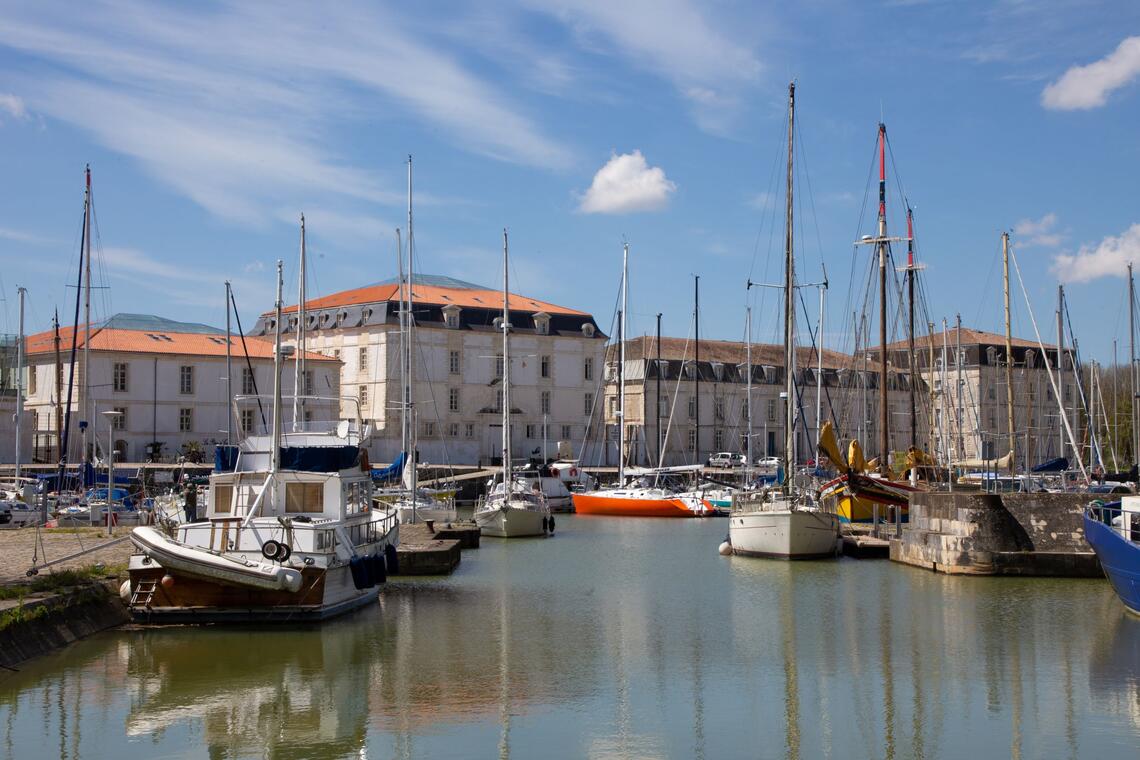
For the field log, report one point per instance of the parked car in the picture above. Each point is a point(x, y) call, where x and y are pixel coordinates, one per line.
point(724, 459)
point(768, 464)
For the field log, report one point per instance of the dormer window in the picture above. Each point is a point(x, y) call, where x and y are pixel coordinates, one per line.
point(542, 323)
point(451, 316)
point(588, 330)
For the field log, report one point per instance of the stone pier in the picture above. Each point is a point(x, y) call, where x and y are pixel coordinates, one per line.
point(973, 533)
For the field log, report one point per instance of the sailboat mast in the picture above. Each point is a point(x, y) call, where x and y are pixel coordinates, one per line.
point(657, 414)
point(410, 344)
point(819, 360)
point(20, 383)
point(507, 477)
point(748, 391)
point(1008, 345)
point(1132, 363)
point(697, 364)
point(621, 362)
point(403, 346)
point(789, 301)
point(229, 374)
point(275, 443)
point(58, 384)
point(86, 387)
point(1061, 364)
point(65, 445)
point(884, 418)
point(959, 418)
point(299, 361)
point(910, 327)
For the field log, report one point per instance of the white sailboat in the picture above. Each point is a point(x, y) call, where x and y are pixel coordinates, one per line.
point(512, 510)
point(784, 523)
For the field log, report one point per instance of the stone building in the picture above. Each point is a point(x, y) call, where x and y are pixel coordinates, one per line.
point(556, 352)
point(692, 427)
point(166, 379)
point(967, 414)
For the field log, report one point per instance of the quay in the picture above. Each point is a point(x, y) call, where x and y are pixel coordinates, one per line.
point(431, 549)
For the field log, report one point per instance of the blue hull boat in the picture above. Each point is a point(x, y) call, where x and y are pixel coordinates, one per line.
point(1115, 537)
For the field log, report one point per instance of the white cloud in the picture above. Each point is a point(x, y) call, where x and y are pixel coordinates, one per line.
point(19, 236)
point(674, 39)
point(1108, 258)
point(1085, 87)
point(13, 105)
point(760, 201)
point(1040, 232)
point(626, 184)
point(235, 106)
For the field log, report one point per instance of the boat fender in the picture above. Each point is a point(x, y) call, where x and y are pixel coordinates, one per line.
point(125, 590)
point(284, 551)
point(168, 581)
point(359, 573)
point(552, 523)
point(545, 525)
point(725, 548)
point(270, 549)
point(392, 559)
point(379, 569)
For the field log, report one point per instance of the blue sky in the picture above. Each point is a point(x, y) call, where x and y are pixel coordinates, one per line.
point(578, 124)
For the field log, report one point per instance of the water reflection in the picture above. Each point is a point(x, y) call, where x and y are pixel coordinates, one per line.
point(617, 639)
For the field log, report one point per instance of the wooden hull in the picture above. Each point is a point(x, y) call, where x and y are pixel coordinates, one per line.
point(854, 509)
point(189, 599)
point(597, 503)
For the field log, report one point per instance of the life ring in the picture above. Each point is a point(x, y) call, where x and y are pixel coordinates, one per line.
point(270, 549)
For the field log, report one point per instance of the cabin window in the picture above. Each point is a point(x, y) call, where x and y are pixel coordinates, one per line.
point(119, 377)
point(222, 498)
point(355, 497)
point(304, 497)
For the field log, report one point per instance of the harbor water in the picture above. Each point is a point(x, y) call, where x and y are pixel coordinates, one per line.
point(617, 638)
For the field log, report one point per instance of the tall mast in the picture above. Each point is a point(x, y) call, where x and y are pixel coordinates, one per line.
point(657, 414)
point(410, 401)
point(403, 314)
point(229, 374)
point(621, 362)
point(748, 391)
point(84, 407)
point(507, 477)
point(299, 360)
point(1008, 345)
point(20, 382)
point(1061, 365)
point(58, 385)
point(275, 442)
point(819, 360)
point(65, 444)
point(884, 438)
point(910, 328)
point(958, 418)
point(697, 361)
point(789, 303)
point(1132, 364)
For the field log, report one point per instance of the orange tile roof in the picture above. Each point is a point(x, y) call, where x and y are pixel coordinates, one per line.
point(163, 342)
point(970, 337)
point(435, 295)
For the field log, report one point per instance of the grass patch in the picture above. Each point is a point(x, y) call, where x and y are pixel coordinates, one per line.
point(59, 580)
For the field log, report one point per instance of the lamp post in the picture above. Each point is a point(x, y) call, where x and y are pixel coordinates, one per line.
point(110, 415)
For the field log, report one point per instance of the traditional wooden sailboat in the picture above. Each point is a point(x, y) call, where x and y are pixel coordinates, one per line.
point(512, 510)
point(291, 532)
point(784, 523)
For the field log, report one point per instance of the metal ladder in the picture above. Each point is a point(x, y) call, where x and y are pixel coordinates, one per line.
point(144, 593)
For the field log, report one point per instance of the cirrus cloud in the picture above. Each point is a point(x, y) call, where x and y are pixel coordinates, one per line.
point(1085, 87)
point(626, 184)
point(1108, 258)
point(1039, 232)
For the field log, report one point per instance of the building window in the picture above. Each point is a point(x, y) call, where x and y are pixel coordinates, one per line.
point(451, 319)
point(692, 439)
point(588, 405)
point(307, 383)
point(1068, 392)
point(186, 380)
point(692, 407)
point(31, 381)
point(588, 368)
point(453, 362)
point(362, 360)
point(185, 420)
point(663, 408)
point(544, 402)
point(120, 419)
point(771, 410)
point(992, 394)
point(453, 429)
point(612, 402)
point(429, 429)
point(362, 393)
point(499, 365)
point(453, 399)
point(498, 401)
point(718, 439)
point(718, 410)
point(566, 434)
point(469, 430)
point(530, 430)
point(119, 377)
point(248, 385)
point(544, 366)
point(247, 421)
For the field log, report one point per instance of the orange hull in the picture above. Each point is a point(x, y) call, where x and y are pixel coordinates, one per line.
point(591, 504)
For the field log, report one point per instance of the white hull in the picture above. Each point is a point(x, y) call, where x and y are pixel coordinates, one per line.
point(511, 522)
point(784, 533)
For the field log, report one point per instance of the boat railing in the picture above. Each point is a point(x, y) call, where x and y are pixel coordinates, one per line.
point(1126, 522)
